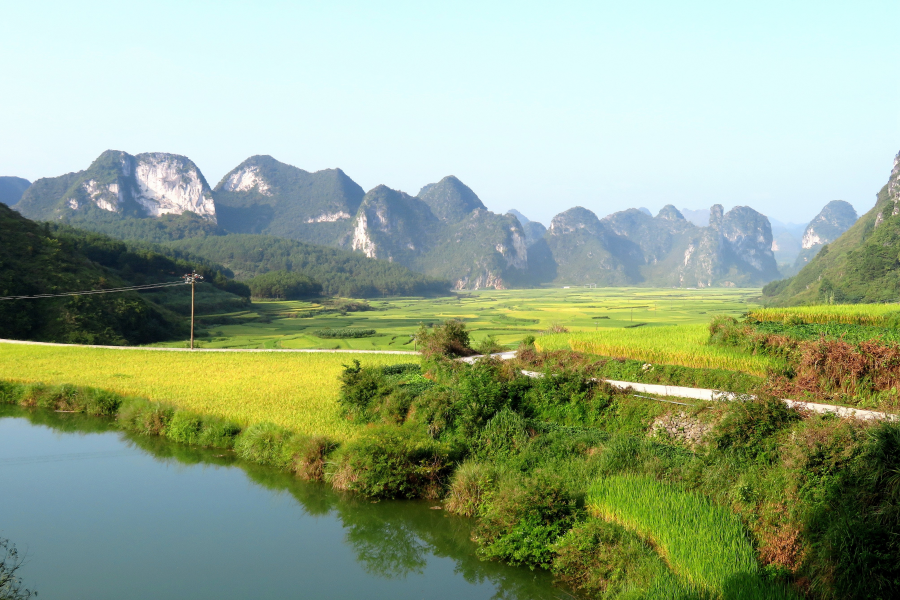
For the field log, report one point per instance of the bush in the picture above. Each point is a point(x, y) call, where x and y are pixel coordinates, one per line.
point(748, 427)
point(470, 486)
point(394, 462)
point(344, 332)
point(145, 417)
point(449, 340)
point(189, 428)
point(310, 456)
point(490, 345)
point(267, 444)
point(522, 519)
point(600, 558)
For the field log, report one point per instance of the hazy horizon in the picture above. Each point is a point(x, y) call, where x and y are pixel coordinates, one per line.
point(778, 107)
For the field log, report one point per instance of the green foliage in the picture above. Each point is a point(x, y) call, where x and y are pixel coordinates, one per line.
point(749, 425)
point(56, 259)
point(341, 272)
point(524, 517)
point(267, 444)
point(344, 332)
point(390, 462)
point(448, 340)
point(145, 417)
point(284, 285)
point(490, 345)
point(189, 428)
point(602, 559)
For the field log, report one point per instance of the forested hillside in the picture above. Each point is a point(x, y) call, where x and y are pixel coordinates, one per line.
point(43, 259)
point(862, 265)
point(341, 273)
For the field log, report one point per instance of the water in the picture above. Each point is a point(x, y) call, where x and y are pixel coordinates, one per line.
point(103, 514)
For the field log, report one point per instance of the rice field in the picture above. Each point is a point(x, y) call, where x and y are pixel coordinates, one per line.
point(846, 314)
point(295, 390)
point(508, 315)
point(682, 345)
point(716, 557)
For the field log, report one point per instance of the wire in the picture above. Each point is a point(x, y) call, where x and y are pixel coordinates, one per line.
point(148, 286)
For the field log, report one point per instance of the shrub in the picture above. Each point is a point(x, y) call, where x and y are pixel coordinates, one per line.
point(490, 345)
point(600, 558)
point(344, 332)
point(392, 462)
point(189, 428)
point(524, 517)
point(310, 456)
point(470, 486)
point(503, 436)
point(145, 417)
point(449, 340)
point(267, 444)
point(748, 426)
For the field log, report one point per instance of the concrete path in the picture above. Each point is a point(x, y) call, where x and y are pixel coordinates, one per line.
point(715, 395)
point(315, 350)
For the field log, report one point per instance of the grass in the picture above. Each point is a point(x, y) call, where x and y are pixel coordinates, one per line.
point(846, 314)
point(682, 345)
point(296, 391)
point(509, 315)
point(716, 556)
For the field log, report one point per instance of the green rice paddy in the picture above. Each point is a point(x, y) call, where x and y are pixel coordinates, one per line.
point(509, 315)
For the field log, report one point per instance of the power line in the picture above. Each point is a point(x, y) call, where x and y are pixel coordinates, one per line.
point(148, 286)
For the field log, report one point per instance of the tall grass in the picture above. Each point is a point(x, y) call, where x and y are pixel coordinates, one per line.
point(295, 391)
point(704, 544)
point(847, 314)
point(683, 345)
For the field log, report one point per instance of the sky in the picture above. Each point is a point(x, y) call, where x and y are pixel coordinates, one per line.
point(781, 106)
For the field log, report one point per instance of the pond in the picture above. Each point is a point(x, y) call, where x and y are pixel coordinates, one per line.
point(100, 514)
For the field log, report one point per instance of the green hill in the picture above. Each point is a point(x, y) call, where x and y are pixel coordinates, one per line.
point(43, 259)
point(341, 273)
point(862, 265)
point(263, 195)
point(11, 189)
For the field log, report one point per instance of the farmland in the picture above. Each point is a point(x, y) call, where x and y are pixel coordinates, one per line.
point(509, 315)
point(294, 390)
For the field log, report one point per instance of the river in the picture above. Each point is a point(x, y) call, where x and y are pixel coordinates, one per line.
point(99, 514)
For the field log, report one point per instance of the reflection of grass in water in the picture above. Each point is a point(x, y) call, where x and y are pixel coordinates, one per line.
point(391, 539)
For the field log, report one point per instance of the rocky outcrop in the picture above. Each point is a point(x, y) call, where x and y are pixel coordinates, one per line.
point(533, 230)
point(144, 185)
point(893, 194)
point(836, 218)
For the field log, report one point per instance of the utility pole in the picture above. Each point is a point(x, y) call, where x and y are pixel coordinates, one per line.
point(192, 279)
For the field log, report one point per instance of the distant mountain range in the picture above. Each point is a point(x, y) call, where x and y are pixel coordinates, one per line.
point(11, 189)
point(445, 231)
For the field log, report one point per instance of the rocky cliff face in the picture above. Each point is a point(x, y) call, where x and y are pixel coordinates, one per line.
point(145, 185)
point(893, 194)
point(836, 218)
point(533, 230)
point(471, 246)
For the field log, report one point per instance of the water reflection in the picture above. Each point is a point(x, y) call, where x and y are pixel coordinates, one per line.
point(391, 540)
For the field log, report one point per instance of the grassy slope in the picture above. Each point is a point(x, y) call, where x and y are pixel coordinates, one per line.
point(297, 391)
point(852, 264)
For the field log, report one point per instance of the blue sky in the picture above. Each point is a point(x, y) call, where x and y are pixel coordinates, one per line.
point(781, 106)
